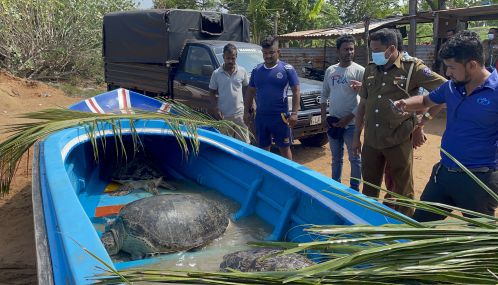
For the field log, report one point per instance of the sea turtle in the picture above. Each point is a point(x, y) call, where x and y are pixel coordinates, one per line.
point(150, 186)
point(165, 223)
point(263, 259)
point(138, 174)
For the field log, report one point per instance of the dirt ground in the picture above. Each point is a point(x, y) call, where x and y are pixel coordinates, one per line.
point(17, 250)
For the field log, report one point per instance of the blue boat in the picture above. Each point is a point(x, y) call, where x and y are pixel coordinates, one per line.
point(70, 195)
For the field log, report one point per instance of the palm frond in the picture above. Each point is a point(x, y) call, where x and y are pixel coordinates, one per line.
point(183, 124)
point(461, 250)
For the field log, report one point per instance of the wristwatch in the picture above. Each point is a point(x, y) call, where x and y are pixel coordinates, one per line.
point(427, 116)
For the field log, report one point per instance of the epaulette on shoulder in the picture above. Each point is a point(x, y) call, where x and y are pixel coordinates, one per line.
point(408, 58)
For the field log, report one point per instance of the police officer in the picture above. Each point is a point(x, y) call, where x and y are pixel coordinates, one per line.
point(388, 78)
point(490, 46)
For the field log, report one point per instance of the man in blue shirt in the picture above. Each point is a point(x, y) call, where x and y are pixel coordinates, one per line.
point(471, 134)
point(270, 82)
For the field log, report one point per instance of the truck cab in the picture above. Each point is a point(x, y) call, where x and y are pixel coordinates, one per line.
point(173, 52)
point(200, 58)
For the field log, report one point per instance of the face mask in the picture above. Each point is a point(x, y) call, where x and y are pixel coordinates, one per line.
point(378, 58)
point(491, 36)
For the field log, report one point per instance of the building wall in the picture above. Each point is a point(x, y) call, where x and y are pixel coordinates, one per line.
point(299, 57)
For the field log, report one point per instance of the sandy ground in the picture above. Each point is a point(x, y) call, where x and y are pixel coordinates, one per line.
point(17, 249)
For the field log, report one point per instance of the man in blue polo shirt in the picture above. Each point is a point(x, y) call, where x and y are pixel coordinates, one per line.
point(471, 134)
point(270, 82)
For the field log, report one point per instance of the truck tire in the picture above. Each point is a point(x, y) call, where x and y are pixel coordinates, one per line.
point(317, 140)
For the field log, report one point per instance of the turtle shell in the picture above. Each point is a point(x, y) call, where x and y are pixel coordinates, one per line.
point(264, 259)
point(171, 223)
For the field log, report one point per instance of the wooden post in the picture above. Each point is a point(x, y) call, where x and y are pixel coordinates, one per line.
point(435, 35)
point(324, 55)
point(275, 23)
point(412, 37)
point(366, 36)
point(435, 40)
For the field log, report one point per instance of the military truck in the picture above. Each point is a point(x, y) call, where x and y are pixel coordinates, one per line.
point(172, 53)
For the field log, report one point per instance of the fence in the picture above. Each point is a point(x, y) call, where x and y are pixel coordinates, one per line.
point(324, 57)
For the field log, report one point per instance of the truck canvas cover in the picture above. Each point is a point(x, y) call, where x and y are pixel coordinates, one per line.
point(156, 36)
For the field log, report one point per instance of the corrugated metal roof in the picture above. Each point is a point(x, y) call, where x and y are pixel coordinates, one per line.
point(352, 29)
point(477, 13)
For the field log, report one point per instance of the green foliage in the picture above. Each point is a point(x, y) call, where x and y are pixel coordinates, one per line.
point(54, 39)
point(289, 15)
point(186, 4)
point(353, 11)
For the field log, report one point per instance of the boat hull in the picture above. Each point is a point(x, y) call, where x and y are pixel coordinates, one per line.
point(69, 191)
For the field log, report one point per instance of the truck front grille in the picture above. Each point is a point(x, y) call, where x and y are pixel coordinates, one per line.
point(311, 102)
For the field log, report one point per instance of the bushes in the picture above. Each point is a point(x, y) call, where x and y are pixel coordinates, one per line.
point(54, 39)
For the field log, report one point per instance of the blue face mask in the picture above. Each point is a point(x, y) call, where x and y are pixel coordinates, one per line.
point(379, 58)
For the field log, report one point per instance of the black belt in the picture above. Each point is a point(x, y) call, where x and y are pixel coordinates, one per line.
point(483, 169)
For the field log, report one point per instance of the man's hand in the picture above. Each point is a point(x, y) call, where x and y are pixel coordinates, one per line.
point(418, 137)
point(220, 115)
point(343, 122)
point(292, 119)
point(356, 145)
point(355, 85)
point(399, 106)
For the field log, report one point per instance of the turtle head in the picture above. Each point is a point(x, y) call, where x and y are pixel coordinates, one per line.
point(112, 239)
point(109, 241)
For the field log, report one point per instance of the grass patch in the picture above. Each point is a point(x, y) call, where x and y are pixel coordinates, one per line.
point(81, 92)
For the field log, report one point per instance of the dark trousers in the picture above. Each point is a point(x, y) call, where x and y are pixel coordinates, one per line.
point(460, 190)
point(400, 161)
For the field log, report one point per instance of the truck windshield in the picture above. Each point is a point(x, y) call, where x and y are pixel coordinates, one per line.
point(248, 58)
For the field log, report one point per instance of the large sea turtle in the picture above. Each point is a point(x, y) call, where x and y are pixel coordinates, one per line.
point(165, 223)
point(263, 259)
point(138, 174)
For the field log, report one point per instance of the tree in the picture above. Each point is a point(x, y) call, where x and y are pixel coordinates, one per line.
point(290, 15)
point(186, 4)
point(448, 4)
point(54, 39)
point(353, 11)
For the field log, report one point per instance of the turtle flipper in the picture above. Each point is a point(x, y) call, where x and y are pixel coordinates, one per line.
point(125, 188)
point(166, 185)
point(151, 186)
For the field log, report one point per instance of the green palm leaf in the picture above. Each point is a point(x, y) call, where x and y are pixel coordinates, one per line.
point(22, 136)
point(460, 250)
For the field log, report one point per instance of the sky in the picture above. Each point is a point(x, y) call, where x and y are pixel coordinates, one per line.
point(144, 4)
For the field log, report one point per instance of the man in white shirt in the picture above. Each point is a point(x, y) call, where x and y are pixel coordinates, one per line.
point(341, 84)
point(228, 81)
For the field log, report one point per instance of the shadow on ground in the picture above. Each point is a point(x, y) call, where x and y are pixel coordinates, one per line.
point(17, 253)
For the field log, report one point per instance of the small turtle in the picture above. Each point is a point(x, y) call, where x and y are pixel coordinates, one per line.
point(137, 174)
point(150, 186)
point(163, 224)
point(263, 259)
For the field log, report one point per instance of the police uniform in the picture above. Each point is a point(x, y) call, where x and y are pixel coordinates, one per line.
point(388, 133)
point(490, 50)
